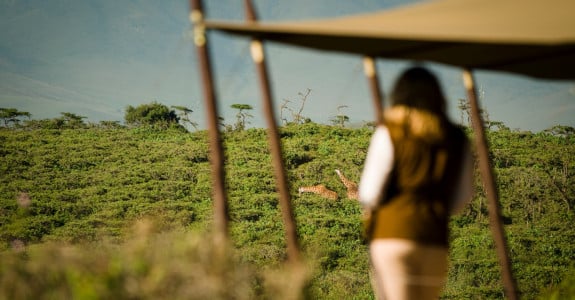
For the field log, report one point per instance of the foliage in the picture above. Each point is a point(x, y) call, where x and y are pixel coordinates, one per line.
point(340, 119)
point(561, 130)
point(242, 116)
point(11, 116)
point(297, 117)
point(184, 115)
point(465, 113)
point(151, 114)
point(65, 121)
point(64, 192)
point(142, 267)
point(109, 125)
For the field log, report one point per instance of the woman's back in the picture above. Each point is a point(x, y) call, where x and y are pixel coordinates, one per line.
point(417, 171)
point(427, 158)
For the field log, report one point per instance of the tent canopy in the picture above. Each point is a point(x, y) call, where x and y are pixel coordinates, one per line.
point(529, 37)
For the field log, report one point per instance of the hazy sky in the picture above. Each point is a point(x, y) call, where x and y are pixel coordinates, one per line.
point(95, 57)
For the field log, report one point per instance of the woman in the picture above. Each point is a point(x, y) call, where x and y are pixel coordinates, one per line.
point(418, 171)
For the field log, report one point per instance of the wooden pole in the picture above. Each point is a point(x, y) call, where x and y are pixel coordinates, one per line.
point(258, 57)
point(373, 81)
point(221, 216)
point(489, 185)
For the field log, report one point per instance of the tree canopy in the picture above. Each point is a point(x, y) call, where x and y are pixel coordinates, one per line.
point(151, 114)
point(12, 116)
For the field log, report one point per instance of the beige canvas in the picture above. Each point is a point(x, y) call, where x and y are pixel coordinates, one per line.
point(529, 37)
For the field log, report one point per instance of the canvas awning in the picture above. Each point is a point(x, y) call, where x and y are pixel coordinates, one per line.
point(529, 37)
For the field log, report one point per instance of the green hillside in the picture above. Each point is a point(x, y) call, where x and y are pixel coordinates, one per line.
point(108, 213)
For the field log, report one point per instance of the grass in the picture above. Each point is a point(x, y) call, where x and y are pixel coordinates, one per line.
point(127, 214)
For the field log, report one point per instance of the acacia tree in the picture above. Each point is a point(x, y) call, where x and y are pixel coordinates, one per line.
point(222, 124)
point(154, 114)
point(340, 119)
point(12, 115)
point(67, 120)
point(184, 114)
point(241, 116)
point(72, 120)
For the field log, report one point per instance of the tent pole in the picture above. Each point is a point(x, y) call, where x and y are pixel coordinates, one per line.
point(490, 187)
point(258, 57)
point(221, 216)
point(373, 81)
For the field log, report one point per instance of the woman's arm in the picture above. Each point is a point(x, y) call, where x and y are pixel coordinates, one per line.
point(378, 166)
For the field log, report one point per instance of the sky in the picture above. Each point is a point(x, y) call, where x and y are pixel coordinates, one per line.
point(95, 57)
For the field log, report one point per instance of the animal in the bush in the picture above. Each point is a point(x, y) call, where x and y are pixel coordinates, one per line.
point(350, 185)
point(321, 190)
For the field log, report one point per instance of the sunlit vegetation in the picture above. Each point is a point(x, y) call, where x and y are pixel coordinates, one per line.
point(115, 212)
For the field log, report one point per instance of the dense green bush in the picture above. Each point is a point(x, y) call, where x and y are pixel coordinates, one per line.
point(65, 192)
point(154, 114)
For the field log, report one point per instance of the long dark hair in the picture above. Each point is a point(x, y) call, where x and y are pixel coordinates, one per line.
point(419, 88)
